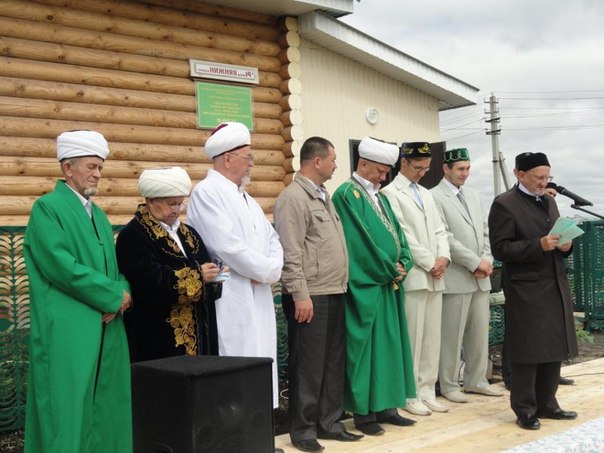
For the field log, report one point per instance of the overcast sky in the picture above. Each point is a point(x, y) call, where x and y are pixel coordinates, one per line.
point(543, 60)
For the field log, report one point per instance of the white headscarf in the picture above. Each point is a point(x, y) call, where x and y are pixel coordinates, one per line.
point(164, 182)
point(227, 137)
point(377, 151)
point(81, 144)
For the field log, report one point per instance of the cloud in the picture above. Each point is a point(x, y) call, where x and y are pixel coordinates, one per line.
point(542, 60)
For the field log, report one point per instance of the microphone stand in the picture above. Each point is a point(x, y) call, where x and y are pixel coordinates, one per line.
point(581, 208)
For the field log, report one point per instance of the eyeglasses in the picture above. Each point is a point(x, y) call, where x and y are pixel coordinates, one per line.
point(249, 157)
point(176, 207)
point(540, 178)
point(420, 169)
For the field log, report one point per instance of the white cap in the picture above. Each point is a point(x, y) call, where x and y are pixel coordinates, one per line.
point(164, 182)
point(378, 151)
point(81, 144)
point(227, 137)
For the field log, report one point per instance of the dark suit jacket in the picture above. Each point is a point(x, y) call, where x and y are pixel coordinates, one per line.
point(538, 307)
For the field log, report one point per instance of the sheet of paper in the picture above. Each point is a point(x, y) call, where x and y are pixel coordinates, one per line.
point(567, 229)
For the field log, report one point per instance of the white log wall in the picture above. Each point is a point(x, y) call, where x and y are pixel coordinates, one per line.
point(121, 68)
point(343, 90)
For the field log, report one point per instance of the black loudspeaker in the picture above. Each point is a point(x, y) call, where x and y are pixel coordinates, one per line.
point(203, 404)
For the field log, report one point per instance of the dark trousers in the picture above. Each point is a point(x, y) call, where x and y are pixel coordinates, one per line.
point(317, 367)
point(533, 388)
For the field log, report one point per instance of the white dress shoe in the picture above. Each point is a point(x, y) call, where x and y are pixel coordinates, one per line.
point(456, 396)
point(488, 391)
point(435, 406)
point(415, 406)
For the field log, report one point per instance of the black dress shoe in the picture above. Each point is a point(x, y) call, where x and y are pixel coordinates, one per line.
point(370, 428)
point(396, 420)
point(344, 436)
point(528, 422)
point(560, 414)
point(566, 381)
point(308, 445)
point(279, 450)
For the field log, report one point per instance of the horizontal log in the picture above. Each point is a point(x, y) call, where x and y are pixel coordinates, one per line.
point(18, 169)
point(292, 118)
point(288, 165)
point(60, 34)
point(18, 205)
point(16, 148)
point(290, 39)
point(54, 72)
point(291, 102)
point(120, 187)
point(288, 179)
point(184, 13)
point(288, 24)
point(39, 128)
point(290, 71)
point(290, 55)
point(136, 28)
point(35, 89)
point(291, 86)
point(293, 133)
point(58, 53)
point(35, 108)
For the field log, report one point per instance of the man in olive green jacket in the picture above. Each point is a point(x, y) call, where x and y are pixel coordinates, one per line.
point(314, 278)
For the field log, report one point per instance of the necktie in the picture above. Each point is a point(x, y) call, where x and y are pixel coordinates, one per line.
point(417, 195)
point(462, 199)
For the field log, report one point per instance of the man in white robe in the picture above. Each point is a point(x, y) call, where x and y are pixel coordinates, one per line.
point(236, 231)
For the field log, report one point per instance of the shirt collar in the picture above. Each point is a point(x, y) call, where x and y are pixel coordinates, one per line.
point(370, 187)
point(83, 200)
point(170, 228)
point(526, 191)
point(453, 187)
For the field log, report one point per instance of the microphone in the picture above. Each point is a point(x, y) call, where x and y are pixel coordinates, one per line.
point(579, 201)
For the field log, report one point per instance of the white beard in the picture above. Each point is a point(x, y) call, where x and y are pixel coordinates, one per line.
point(245, 181)
point(90, 192)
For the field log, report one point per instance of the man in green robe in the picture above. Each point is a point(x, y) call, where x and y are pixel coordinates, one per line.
point(78, 397)
point(379, 369)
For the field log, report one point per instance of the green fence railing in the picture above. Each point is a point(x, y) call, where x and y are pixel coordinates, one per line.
point(14, 328)
point(586, 274)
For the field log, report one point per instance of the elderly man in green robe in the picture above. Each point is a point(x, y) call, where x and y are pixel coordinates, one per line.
point(379, 369)
point(78, 397)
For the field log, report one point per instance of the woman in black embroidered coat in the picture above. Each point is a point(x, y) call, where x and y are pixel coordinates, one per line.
point(173, 298)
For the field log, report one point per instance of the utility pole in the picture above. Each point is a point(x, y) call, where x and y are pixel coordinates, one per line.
point(494, 133)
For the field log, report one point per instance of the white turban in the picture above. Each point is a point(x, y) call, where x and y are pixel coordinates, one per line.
point(164, 182)
point(227, 137)
point(377, 151)
point(81, 144)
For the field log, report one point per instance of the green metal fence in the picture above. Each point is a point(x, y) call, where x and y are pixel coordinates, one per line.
point(586, 273)
point(14, 328)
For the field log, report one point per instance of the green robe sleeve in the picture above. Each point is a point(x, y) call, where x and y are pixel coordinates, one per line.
point(371, 246)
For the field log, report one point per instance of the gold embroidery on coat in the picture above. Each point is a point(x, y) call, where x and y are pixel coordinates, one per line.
point(182, 316)
point(182, 320)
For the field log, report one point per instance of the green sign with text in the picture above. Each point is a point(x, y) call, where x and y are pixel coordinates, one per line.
point(217, 103)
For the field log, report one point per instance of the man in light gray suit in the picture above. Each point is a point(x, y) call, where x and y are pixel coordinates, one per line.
point(465, 313)
point(417, 213)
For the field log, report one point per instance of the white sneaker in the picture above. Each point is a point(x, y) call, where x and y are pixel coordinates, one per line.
point(488, 391)
point(435, 406)
point(415, 406)
point(456, 396)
